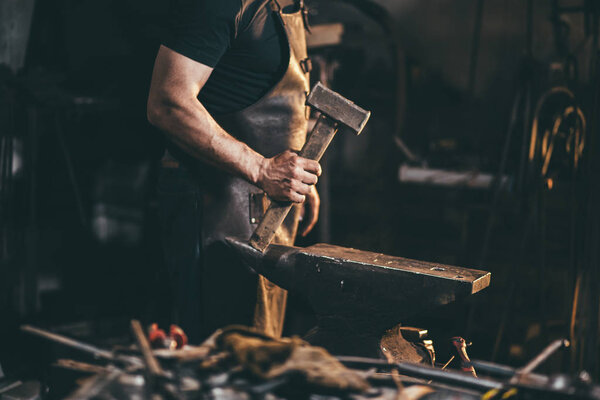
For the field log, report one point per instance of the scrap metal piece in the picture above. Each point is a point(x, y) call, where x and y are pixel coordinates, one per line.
point(356, 294)
point(82, 367)
point(544, 355)
point(131, 361)
point(66, 341)
point(425, 372)
point(94, 386)
point(154, 371)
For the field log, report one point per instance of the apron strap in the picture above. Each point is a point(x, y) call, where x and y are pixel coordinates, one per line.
point(276, 7)
point(304, 10)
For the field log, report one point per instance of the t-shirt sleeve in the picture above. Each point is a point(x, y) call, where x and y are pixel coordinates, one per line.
point(203, 29)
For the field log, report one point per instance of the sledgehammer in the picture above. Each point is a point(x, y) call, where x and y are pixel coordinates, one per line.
point(336, 111)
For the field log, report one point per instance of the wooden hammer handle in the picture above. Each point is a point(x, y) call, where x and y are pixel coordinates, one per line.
point(314, 148)
point(319, 139)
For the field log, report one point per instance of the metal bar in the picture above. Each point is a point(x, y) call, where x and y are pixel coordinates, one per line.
point(421, 371)
point(544, 355)
point(88, 348)
point(493, 368)
point(81, 346)
point(151, 362)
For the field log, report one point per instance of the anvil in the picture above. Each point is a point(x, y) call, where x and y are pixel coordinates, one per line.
point(357, 295)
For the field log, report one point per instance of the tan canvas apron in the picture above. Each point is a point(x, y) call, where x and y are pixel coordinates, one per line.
point(232, 206)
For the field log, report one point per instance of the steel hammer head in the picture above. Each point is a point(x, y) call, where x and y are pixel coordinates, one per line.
point(338, 108)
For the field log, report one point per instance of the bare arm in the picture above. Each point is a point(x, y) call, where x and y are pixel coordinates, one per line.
point(173, 107)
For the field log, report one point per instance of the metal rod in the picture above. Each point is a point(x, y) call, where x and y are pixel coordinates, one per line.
point(544, 355)
point(142, 341)
point(81, 346)
point(493, 368)
point(424, 372)
point(88, 348)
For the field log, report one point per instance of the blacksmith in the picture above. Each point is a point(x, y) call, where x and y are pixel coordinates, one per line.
point(229, 89)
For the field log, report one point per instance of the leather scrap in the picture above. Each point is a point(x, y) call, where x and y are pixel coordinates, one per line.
point(268, 358)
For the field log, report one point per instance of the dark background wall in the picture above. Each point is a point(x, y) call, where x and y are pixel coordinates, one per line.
point(80, 235)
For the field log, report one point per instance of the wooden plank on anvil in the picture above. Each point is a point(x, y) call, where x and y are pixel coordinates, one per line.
point(478, 279)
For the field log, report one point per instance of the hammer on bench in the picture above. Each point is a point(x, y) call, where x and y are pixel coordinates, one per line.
point(336, 111)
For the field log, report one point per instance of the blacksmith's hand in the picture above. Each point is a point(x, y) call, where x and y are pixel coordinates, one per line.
point(310, 213)
point(288, 177)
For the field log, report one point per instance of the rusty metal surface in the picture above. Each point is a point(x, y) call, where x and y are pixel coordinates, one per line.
point(338, 108)
point(477, 279)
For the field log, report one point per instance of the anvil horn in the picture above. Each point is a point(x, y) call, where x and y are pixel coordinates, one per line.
point(277, 263)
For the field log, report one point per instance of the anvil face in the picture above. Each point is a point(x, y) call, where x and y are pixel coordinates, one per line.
point(361, 291)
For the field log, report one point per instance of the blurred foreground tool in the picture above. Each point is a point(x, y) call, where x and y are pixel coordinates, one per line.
point(239, 363)
point(154, 373)
point(152, 365)
point(336, 113)
point(507, 383)
point(524, 373)
point(158, 338)
point(178, 336)
point(358, 295)
point(130, 361)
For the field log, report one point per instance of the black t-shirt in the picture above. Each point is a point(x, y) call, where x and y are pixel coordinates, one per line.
point(240, 39)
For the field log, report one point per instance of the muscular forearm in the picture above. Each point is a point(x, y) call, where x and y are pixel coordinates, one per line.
point(190, 126)
point(173, 107)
